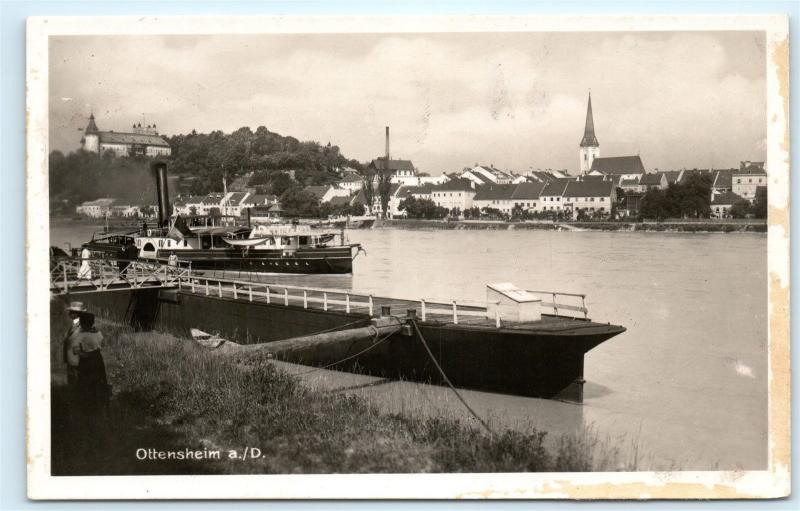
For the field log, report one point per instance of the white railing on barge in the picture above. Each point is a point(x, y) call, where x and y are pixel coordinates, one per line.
point(106, 276)
point(327, 299)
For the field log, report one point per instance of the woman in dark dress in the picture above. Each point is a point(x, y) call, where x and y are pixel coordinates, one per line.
point(93, 389)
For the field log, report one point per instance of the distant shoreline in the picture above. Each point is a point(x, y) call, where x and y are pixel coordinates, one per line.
point(481, 225)
point(675, 226)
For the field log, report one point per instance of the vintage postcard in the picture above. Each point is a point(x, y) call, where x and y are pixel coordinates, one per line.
point(408, 257)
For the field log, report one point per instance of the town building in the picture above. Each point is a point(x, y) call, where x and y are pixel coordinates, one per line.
point(723, 181)
point(748, 178)
point(592, 196)
point(545, 176)
point(402, 171)
point(432, 180)
point(551, 195)
point(418, 192)
point(589, 148)
point(490, 175)
point(324, 193)
point(526, 195)
point(209, 203)
point(124, 209)
point(495, 196)
point(97, 208)
point(140, 142)
point(351, 182)
point(653, 181)
point(233, 204)
point(722, 203)
point(456, 193)
point(186, 205)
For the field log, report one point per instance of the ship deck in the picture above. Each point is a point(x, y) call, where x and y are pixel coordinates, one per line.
point(567, 317)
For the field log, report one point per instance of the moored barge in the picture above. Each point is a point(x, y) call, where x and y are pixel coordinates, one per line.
point(529, 343)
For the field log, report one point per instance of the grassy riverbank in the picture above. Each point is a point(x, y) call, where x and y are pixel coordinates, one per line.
point(171, 395)
point(667, 226)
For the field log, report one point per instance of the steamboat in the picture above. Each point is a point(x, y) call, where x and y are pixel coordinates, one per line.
point(221, 243)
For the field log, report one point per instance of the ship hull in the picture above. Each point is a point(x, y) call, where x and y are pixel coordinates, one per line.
point(326, 260)
point(544, 361)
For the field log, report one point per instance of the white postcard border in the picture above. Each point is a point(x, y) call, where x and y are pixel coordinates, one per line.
point(774, 482)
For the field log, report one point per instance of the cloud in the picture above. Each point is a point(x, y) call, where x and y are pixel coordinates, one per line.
point(516, 100)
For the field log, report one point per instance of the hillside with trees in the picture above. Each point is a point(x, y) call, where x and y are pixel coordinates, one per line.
point(266, 154)
point(201, 160)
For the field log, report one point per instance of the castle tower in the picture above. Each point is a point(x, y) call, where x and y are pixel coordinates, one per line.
point(91, 137)
point(589, 147)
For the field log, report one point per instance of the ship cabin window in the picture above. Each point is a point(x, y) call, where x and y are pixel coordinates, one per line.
point(303, 240)
point(205, 242)
point(219, 242)
point(148, 247)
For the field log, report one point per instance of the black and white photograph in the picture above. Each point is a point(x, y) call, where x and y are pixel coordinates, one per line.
point(480, 257)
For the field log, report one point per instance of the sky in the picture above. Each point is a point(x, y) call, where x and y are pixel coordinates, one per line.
point(513, 100)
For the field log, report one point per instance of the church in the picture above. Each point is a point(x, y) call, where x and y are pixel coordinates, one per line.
point(590, 161)
point(140, 142)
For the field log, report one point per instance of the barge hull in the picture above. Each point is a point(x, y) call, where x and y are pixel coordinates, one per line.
point(547, 363)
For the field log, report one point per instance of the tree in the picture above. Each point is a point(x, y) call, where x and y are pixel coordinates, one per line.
point(692, 197)
point(473, 212)
point(760, 203)
point(297, 202)
point(740, 209)
point(193, 210)
point(384, 190)
point(281, 182)
point(654, 205)
point(422, 208)
point(368, 186)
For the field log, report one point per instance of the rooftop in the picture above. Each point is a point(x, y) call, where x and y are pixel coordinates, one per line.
point(726, 198)
point(591, 188)
point(495, 192)
point(619, 165)
point(112, 137)
point(380, 164)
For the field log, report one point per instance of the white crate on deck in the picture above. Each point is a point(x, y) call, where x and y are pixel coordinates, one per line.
point(512, 303)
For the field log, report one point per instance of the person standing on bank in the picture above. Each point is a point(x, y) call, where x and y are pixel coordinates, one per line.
point(71, 359)
point(93, 389)
point(85, 272)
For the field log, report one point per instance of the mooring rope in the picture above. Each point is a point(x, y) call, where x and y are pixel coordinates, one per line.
point(449, 383)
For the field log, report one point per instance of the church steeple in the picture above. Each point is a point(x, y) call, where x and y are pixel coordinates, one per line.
point(589, 147)
point(91, 127)
point(589, 138)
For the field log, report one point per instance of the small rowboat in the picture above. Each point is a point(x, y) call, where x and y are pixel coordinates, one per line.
point(250, 242)
point(206, 339)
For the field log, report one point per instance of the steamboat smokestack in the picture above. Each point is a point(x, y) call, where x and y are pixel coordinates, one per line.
point(387, 147)
point(159, 169)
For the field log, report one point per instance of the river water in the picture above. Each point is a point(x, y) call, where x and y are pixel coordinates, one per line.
point(686, 385)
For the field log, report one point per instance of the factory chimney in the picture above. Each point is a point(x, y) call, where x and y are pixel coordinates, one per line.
point(387, 147)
